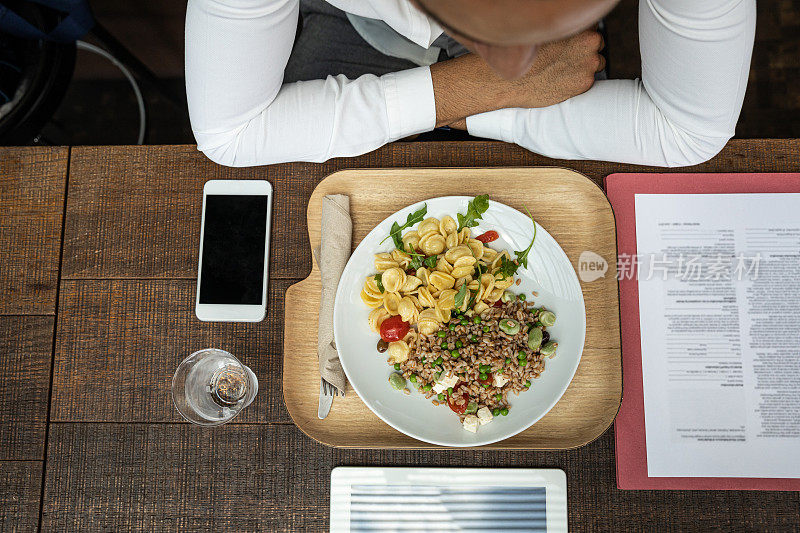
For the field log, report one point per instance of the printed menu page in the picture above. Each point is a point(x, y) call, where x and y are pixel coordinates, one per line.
point(719, 311)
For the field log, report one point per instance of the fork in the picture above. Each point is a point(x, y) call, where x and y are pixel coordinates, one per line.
point(326, 394)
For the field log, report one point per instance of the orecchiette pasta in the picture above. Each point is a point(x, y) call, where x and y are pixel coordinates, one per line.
point(424, 292)
point(376, 318)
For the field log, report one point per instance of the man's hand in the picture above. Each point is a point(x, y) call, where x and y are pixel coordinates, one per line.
point(562, 69)
point(467, 86)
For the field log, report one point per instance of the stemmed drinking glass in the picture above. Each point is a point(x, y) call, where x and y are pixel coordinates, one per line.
point(211, 387)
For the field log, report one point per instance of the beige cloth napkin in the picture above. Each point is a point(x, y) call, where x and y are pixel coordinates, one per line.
point(332, 256)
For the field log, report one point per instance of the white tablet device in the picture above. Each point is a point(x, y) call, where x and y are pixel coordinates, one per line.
point(448, 499)
point(234, 251)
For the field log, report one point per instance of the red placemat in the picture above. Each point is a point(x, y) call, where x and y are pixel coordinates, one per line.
point(629, 427)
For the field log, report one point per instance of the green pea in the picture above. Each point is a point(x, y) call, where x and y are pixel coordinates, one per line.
point(498, 397)
point(476, 320)
point(504, 411)
point(537, 324)
point(509, 326)
point(496, 412)
point(454, 353)
point(397, 366)
point(549, 348)
point(522, 356)
point(444, 346)
point(427, 387)
point(534, 339)
point(508, 360)
point(438, 361)
point(423, 359)
point(547, 318)
point(484, 368)
point(397, 381)
point(521, 297)
point(464, 321)
point(483, 376)
point(452, 326)
point(528, 384)
point(473, 338)
point(523, 362)
point(440, 397)
point(471, 408)
point(485, 385)
point(508, 296)
point(442, 333)
point(412, 378)
point(459, 344)
point(486, 329)
point(449, 390)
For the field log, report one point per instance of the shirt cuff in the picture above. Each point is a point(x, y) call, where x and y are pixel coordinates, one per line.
point(410, 105)
point(493, 125)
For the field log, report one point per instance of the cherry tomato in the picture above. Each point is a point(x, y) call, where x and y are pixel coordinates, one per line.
point(451, 398)
point(394, 329)
point(458, 409)
point(488, 237)
point(489, 379)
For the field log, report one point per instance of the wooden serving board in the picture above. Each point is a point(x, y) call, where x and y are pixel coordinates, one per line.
point(568, 205)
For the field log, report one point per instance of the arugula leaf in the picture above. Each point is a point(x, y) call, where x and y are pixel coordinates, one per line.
point(507, 267)
point(416, 260)
point(460, 295)
point(413, 218)
point(379, 281)
point(522, 255)
point(419, 260)
point(473, 295)
point(475, 210)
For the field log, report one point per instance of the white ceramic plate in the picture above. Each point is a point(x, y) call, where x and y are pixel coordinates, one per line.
point(549, 273)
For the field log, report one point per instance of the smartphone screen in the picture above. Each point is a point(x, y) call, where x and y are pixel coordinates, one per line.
point(234, 235)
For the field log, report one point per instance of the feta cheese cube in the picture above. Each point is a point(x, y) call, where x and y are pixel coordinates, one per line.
point(471, 423)
point(500, 380)
point(445, 383)
point(485, 415)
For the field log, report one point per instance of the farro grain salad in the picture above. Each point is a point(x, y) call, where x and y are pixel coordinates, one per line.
point(443, 304)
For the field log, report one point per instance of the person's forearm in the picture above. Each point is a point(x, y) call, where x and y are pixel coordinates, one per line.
point(466, 86)
point(695, 64)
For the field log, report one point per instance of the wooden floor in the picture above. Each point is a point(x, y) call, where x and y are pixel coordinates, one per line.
point(98, 255)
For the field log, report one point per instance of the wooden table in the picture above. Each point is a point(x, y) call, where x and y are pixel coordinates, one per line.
point(96, 311)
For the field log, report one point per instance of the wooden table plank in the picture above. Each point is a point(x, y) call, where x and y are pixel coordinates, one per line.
point(120, 341)
point(135, 211)
point(176, 477)
point(20, 493)
point(32, 183)
point(26, 344)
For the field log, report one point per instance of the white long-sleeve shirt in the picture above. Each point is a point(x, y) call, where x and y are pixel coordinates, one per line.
point(695, 64)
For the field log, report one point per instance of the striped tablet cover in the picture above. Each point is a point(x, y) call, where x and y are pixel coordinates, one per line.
point(447, 499)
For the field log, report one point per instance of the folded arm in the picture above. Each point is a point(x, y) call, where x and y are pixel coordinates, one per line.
point(242, 114)
point(695, 65)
